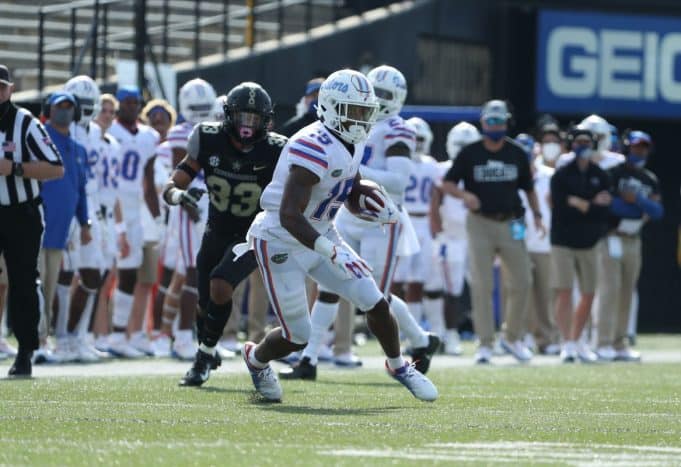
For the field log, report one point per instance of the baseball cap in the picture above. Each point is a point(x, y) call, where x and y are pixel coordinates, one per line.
point(313, 86)
point(639, 137)
point(61, 96)
point(128, 91)
point(495, 109)
point(4, 75)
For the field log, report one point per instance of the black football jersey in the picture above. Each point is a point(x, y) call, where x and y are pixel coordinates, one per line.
point(234, 180)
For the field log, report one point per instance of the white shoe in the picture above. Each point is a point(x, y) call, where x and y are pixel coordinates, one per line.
point(530, 343)
point(517, 349)
point(225, 354)
point(141, 342)
point(325, 354)
point(89, 340)
point(184, 347)
point(483, 355)
point(231, 344)
point(161, 345)
point(568, 353)
point(453, 343)
point(6, 348)
point(627, 355)
point(102, 343)
point(120, 347)
point(65, 351)
point(585, 354)
point(82, 351)
point(417, 383)
point(44, 355)
point(552, 349)
point(265, 379)
point(498, 349)
point(347, 360)
point(606, 354)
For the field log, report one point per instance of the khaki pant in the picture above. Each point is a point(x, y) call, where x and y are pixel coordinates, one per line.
point(343, 328)
point(487, 238)
point(540, 321)
point(49, 264)
point(147, 273)
point(617, 278)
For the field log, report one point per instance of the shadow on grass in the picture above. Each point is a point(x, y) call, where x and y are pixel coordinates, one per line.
point(382, 384)
point(222, 390)
point(325, 411)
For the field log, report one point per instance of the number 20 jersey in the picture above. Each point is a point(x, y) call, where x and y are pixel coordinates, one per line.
point(317, 150)
point(235, 180)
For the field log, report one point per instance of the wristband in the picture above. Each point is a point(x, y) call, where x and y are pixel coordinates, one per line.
point(120, 228)
point(175, 196)
point(324, 246)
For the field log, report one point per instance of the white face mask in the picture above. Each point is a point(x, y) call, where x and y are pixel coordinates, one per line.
point(550, 151)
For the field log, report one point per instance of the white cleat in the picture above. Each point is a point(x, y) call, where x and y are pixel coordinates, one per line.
point(65, 351)
point(417, 383)
point(585, 354)
point(265, 379)
point(568, 353)
point(225, 354)
point(325, 354)
point(606, 354)
point(140, 341)
point(84, 353)
point(44, 355)
point(7, 349)
point(161, 346)
point(483, 356)
point(517, 349)
point(627, 355)
point(119, 347)
point(453, 343)
point(230, 344)
point(184, 347)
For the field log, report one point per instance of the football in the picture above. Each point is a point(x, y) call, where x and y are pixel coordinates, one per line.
point(357, 199)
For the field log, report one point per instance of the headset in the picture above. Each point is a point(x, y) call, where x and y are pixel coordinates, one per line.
point(577, 131)
point(77, 113)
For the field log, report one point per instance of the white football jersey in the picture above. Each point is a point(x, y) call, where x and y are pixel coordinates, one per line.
point(316, 149)
point(424, 174)
point(384, 134)
point(163, 164)
point(178, 136)
point(89, 137)
point(136, 150)
point(536, 243)
point(606, 161)
point(108, 150)
point(452, 211)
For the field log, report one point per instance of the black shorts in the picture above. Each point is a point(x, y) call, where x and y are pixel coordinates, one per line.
point(216, 260)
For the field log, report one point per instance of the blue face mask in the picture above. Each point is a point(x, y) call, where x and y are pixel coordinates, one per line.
point(636, 161)
point(583, 152)
point(496, 135)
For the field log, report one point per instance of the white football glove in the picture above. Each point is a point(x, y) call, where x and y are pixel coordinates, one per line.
point(386, 214)
point(347, 264)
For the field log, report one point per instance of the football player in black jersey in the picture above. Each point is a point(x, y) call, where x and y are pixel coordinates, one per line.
point(238, 157)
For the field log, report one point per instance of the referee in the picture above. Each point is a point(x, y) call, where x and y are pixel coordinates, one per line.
point(29, 156)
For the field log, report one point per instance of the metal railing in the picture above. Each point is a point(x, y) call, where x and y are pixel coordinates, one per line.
point(248, 14)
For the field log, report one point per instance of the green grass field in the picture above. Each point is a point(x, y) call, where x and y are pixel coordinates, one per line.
point(623, 414)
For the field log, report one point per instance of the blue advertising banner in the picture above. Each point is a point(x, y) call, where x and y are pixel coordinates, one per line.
point(620, 65)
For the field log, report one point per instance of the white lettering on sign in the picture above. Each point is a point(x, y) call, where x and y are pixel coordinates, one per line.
point(613, 64)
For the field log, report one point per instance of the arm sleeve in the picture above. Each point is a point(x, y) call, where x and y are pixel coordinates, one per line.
point(625, 210)
point(525, 181)
point(40, 144)
point(396, 176)
point(652, 208)
point(193, 143)
point(306, 153)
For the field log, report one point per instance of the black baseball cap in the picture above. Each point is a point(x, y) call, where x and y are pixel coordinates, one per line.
point(4, 75)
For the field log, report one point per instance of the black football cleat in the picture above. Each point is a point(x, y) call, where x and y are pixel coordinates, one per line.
point(200, 370)
point(21, 368)
point(303, 370)
point(421, 356)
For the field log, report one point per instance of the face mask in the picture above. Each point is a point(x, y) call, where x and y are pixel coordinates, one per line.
point(583, 152)
point(550, 151)
point(636, 161)
point(496, 135)
point(61, 117)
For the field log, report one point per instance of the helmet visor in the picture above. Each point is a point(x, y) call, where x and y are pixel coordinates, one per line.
point(359, 113)
point(247, 124)
point(383, 93)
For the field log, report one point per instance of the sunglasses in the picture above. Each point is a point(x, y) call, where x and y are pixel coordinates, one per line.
point(494, 121)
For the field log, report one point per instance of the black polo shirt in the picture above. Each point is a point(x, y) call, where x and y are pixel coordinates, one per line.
point(569, 226)
point(494, 177)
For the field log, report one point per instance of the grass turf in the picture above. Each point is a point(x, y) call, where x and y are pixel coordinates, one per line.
point(560, 415)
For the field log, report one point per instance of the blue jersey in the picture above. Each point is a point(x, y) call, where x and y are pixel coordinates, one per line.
point(65, 197)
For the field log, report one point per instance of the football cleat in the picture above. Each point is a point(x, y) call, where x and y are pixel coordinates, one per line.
point(184, 347)
point(417, 383)
point(141, 342)
point(606, 353)
point(421, 356)
point(627, 355)
point(303, 370)
point(569, 352)
point(585, 354)
point(119, 347)
point(347, 360)
point(6, 348)
point(453, 343)
point(483, 356)
point(517, 349)
point(264, 380)
point(200, 370)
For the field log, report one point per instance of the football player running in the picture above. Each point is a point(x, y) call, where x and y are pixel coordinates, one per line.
point(295, 236)
point(237, 156)
point(448, 223)
point(413, 272)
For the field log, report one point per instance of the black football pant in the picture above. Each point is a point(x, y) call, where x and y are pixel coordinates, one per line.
point(21, 230)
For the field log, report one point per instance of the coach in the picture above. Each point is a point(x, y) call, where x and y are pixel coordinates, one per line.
point(492, 171)
point(29, 156)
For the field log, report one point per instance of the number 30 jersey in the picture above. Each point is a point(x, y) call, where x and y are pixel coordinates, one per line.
point(136, 149)
point(235, 180)
point(317, 150)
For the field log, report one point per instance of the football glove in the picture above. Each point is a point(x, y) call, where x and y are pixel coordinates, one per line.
point(347, 264)
point(386, 214)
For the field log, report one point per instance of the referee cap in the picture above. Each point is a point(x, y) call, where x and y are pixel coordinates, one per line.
point(61, 96)
point(5, 78)
point(128, 91)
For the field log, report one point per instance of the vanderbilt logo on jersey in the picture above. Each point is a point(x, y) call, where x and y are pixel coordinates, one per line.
point(214, 161)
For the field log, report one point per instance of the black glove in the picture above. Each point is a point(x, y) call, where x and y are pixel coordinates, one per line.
point(191, 197)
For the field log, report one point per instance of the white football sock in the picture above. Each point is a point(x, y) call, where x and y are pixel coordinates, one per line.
point(395, 363)
point(84, 322)
point(416, 310)
point(434, 310)
point(209, 350)
point(323, 314)
point(63, 305)
point(408, 325)
point(122, 307)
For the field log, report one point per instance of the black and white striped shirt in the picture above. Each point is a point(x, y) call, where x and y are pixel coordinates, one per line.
point(23, 139)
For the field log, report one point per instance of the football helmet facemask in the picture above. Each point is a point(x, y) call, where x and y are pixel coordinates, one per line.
point(424, 135)
point(248, 112)
point(390, 88)
point(87, 92)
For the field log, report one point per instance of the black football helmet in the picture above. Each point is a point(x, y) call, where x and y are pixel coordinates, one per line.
point(248, 112)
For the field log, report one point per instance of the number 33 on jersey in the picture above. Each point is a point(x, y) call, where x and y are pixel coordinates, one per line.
point(235, 180)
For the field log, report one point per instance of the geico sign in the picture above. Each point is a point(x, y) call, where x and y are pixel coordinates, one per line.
point(612, 63)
